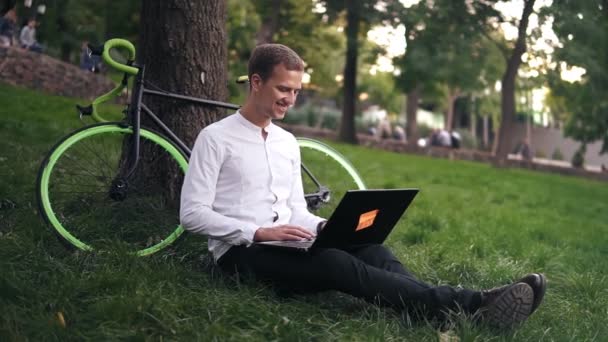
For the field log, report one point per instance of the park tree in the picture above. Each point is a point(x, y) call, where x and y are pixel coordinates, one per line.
point(582, 30)
point(513, 58)
point(464, 50)
point(446, 49)
point(183, 47)
point(359, 17)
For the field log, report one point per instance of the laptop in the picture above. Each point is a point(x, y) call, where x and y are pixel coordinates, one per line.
point(361, 217)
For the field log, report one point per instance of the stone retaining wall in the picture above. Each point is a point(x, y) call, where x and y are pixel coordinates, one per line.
point(443, 152)
point(37, 71)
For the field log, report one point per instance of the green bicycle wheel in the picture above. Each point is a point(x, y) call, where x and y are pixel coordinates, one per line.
point(331, 169)
point(80, 198)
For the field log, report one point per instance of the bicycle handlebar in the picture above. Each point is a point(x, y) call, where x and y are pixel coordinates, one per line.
point(120, 43)
point(128, 69)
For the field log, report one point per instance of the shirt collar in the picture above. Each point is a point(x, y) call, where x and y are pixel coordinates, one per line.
point(252, 127)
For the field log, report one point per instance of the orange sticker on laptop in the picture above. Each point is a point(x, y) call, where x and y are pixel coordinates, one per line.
point(367, 219)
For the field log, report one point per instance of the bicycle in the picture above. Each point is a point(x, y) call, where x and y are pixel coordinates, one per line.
point(95, 181)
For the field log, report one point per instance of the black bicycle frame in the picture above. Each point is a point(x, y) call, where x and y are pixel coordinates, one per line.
point(134, 115)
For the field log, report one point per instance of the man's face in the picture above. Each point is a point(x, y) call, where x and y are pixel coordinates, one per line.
point(278, 93)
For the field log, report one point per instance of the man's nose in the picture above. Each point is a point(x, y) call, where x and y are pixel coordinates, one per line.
point(291, 98)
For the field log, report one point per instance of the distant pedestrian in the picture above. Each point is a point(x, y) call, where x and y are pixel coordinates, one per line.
point(27, 38)
point(8, 28)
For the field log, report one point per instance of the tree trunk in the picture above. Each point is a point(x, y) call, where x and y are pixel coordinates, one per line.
point(270, 23)
point(411, 109)
point(347, 125)
point(449, 115)
point(507, 105)
point(183, 43)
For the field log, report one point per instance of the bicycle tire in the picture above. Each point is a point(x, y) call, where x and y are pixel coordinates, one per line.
point(103, 144)
point(331, 169)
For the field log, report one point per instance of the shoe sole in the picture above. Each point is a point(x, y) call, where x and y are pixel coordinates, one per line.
point(512, 307)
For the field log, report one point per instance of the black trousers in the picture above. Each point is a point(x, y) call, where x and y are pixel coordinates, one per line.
point(370, 272)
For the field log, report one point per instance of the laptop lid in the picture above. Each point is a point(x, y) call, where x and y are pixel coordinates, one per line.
point(365, 216)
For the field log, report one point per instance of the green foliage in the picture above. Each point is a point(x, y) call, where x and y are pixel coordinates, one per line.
point(582, 29)
point(313, 116)
point(446, 44)
point(381, 90)
point(241, 24)
point(471, 225)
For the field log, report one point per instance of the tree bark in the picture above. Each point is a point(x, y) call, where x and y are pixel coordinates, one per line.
point(411, 109)
point(347, 125)
point(453, 94)
point(507, 105)
point(183, 47)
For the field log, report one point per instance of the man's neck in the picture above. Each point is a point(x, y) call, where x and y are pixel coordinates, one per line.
point(249, 112)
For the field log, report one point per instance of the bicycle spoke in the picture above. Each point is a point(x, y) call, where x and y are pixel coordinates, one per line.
point(85, 201)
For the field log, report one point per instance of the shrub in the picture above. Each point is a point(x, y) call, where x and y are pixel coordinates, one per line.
point(540, 154)
point(557, 154)
point(578, 159)
point(424, 131)
point(467, 140)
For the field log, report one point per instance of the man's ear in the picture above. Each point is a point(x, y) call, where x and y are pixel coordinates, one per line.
point(256, 82)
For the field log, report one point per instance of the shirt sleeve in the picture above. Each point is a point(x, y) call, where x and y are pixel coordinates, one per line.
point(198, 193)
point(300, 216)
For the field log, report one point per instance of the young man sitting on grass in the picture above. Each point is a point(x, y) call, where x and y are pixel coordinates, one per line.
point(244, 184)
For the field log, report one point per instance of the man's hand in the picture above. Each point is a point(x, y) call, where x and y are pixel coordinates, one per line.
point(283, 232)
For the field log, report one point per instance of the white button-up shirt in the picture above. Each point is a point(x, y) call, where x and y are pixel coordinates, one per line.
point(238, 182)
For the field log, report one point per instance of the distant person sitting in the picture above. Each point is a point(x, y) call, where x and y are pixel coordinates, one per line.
point(455, 139)
point(384, 129)
point(444, 138)
point(371, 130)
point(524, 150)
point(88, 61)
point(399, 133)
point(8, 28)
point(27, 38)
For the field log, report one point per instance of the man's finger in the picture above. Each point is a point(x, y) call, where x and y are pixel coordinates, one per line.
point(301, 233)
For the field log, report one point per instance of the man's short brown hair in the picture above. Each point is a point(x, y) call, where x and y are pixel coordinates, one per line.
point(265, 56)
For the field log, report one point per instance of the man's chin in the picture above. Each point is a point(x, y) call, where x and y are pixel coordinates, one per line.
point(279, 116)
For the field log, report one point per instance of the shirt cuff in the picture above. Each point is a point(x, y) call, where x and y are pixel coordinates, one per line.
point(249, 233)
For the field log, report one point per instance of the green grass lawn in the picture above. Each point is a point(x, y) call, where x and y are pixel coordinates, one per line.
point(471, 225)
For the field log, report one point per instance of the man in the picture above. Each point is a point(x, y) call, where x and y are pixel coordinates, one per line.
point(8, 27)
point(244, 185)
